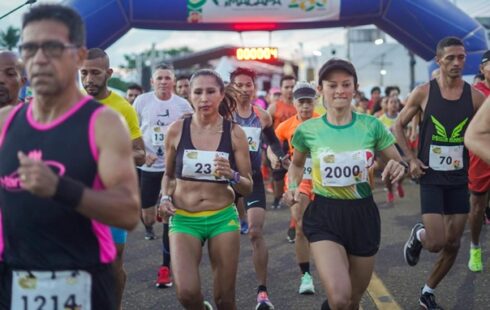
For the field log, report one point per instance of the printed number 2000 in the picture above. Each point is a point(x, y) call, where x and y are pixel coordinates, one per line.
point(339, 172)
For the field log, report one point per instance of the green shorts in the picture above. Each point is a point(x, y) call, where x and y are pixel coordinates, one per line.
point(205, 224)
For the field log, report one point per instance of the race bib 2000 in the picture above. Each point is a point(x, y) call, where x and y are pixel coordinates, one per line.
point(343, 169)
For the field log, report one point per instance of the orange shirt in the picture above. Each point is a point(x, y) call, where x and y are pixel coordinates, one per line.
point(285, 130)
point(283, 112)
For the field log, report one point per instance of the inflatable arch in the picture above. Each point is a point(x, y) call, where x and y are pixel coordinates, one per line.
point(417, 24)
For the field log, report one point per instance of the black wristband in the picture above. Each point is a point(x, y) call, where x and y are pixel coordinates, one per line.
point(405, 165)
point(69, 192)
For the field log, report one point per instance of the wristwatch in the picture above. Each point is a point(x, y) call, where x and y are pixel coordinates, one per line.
point(236, 178)
point(166, 198)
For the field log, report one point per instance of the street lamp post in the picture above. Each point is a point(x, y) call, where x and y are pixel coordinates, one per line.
point(20, 6)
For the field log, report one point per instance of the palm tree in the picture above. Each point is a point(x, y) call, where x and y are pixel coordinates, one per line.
point(10, 37)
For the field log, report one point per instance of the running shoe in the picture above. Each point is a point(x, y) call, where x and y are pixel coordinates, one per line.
point(164, 279)
point(325, 305)
point(275, 204)
point(243, 227)
point(208, 306)
point(428, 301)
point(475, 262)
point(390, 197)
point(291, 235)
point(306, 287)
point(149, 233)
point(263, 302)
point(413, 247)
point(268, 188)
point(401, 191)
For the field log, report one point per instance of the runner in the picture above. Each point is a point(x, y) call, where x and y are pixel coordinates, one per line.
point(133, 91)
point(479, 183)
point(375, 97)
point(200, 153)
point(12, 78)
point(304, 95)
point(478, 135)
point(388, 119)
point(447, 104)
point(182, 86)
point(281, 111)
point(342, 223)
point(66, 174)
point(156, 111)
point(95, 72)
point(256, 123)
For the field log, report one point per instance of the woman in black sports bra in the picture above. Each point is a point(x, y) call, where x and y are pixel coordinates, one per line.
point(197, 191)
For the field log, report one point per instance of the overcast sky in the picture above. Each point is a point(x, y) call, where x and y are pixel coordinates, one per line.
point(137, 40)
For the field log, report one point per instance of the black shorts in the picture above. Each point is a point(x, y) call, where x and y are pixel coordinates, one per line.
point(354, 224)
point(103, 287)
point(444, 199)
point(151, 183)
point(257, 198)
point(279, 174)
point(138, 175)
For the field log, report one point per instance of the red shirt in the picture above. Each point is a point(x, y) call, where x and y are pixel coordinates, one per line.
point(479, 171)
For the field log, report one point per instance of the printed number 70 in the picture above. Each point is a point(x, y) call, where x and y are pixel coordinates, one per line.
point(446, 160)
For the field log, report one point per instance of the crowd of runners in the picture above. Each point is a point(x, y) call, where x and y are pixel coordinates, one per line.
point(199, 155)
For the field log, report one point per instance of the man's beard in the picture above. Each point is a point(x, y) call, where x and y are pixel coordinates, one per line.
point(5, 98)
point(98, 88)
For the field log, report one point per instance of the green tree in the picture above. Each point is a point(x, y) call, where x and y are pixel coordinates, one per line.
point(10, 37)
point(117, 83)
point(130, 61)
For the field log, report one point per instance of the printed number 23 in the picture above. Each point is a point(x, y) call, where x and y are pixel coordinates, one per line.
point(203, 169)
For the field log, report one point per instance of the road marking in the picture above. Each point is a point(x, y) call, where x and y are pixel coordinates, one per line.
point(380, 295)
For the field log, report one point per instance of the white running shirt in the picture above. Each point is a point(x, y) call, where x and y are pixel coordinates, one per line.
point(155, 116)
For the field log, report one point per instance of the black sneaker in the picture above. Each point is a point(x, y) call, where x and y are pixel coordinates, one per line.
point(291, 235)
point(149, 233)
point(412, 248)
point(325, 305)
point(428, 301)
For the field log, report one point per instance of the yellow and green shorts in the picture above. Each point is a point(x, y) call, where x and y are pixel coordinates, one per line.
point(205, 224)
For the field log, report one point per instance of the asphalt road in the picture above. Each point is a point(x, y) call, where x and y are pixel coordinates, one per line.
point(461, 289)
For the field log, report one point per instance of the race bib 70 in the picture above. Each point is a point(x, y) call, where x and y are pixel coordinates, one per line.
point(446, 158)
